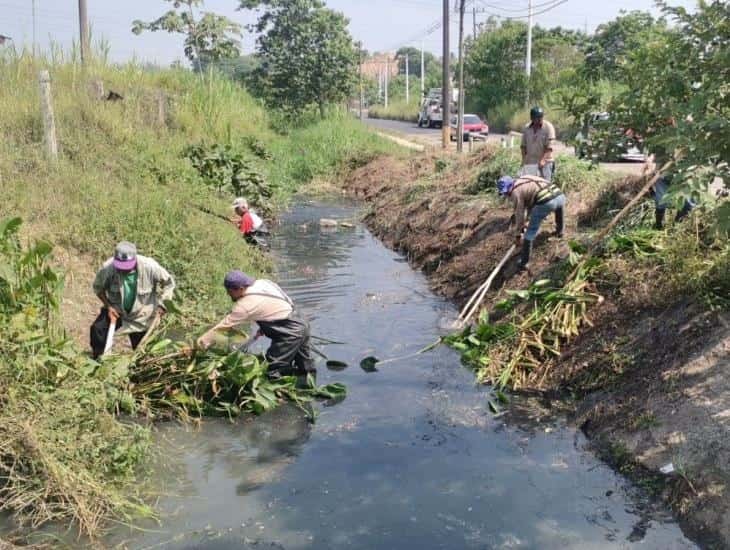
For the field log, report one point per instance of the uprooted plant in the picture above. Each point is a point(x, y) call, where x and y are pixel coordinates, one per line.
point(538, 321)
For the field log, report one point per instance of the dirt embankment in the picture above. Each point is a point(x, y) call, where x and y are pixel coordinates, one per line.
point(652, 376)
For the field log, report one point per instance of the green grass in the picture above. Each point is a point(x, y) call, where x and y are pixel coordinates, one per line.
point(121, 174)
point(397, 110)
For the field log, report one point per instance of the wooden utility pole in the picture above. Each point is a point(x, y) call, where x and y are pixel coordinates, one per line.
point(49, 122)
point(35, 52)
point(408, 91)
point(387, 77)
point(445, 88)
point(83, 32)
point(423, 73)
point(362, 89)
point(460, 123)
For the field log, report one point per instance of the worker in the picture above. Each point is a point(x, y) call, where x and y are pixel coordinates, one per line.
point(661, 187)
point(250, 224)
point(534, 197)
point(133, 290)
point(538, 138)
point(262, 301)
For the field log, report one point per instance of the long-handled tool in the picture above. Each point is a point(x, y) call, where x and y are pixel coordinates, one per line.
point(110, 337)
point(476, 299)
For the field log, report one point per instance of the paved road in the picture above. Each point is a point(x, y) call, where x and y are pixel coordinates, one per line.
point(432, 137)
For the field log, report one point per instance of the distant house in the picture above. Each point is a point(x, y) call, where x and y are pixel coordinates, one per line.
point(378, 63)
point(4, 39)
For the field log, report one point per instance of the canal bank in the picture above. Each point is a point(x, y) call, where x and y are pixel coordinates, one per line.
point(649, 377)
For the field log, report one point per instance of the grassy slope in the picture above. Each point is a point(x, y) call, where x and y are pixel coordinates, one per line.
point(121, 175)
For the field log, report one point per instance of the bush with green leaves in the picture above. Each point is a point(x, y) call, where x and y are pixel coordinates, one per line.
point(226, 170)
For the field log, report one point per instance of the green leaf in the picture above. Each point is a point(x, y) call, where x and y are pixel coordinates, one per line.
point(368, 364)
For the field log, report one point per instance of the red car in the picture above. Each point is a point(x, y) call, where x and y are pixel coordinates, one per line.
point(473, 125)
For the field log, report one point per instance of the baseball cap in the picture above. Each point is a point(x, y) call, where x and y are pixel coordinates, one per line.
point(125, 256)
point(237, 279)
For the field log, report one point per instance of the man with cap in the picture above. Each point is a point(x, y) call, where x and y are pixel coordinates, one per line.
point(250, 224)
point(537, 144)
point(132, 289)
point(263, 302)
point(535, 198)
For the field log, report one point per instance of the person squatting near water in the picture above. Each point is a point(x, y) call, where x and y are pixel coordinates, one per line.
point(250, 224)
point(262, 301)
point(538, 138)
point(132, 289)
point(535, 198)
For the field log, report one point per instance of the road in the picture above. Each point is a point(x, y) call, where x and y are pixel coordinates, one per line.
point(431, 137)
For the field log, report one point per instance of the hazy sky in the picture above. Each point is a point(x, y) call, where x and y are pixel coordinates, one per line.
point(380, 24)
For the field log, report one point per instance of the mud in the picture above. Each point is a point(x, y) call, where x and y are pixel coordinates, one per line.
point(652, 380)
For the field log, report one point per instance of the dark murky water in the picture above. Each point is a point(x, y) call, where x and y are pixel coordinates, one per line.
point(411, 459)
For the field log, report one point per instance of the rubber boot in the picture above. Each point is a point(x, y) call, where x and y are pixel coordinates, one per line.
point(659, 218)
point(686, 209)
point(559, 223)
point(525, 256)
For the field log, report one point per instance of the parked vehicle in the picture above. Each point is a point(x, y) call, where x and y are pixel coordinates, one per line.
point(431, 113)
point(599, 139)
point(473, 126)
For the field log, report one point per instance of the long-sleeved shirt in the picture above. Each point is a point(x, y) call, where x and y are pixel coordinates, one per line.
point(523, 196)
point(263, 301)
point(154, 286)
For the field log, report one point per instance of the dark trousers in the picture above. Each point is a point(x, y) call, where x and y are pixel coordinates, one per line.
point(99, 330)
point(289, 353)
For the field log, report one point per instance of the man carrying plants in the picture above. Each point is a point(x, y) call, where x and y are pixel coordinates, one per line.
point(263, 302)
point(535, 198)
point(537, 144)
point(133, 289)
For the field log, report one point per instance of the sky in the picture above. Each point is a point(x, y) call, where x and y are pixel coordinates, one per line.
point(382, 25)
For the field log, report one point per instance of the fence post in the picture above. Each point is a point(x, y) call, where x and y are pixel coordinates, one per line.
point(162, 108)
point(49, 123)
point(97, 89)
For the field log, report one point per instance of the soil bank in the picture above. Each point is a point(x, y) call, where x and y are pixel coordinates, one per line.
point(650, 380)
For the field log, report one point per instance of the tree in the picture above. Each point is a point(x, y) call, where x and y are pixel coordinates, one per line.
point(308, 57)
point(614, 41)
point(210, 38)
point(430, 62)
point(677, 97)
point(496, 63)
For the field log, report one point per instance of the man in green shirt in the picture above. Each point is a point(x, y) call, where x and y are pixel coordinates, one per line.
point(132, 289)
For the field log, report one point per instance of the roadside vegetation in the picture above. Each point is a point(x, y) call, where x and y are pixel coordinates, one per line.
point(398, 110)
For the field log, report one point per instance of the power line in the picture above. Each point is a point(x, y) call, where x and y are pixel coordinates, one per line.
point(514, 10)
point(513, 17)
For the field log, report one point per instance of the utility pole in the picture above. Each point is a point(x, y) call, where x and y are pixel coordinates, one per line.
point(34, 30)
point(445, 92)
point(380, 82)
point(83, 32)
point(474, 18)
point(362, 90)
point(460, 123)
point(528, 60)
point(387, 77)
point(408, 91)
point(423, 72)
